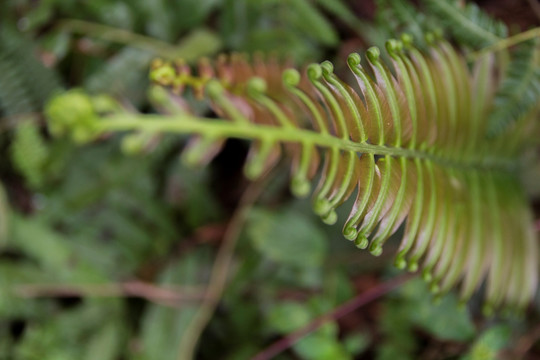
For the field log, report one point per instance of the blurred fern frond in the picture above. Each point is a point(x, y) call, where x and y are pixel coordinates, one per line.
point(408, 145)
point(467, 22)
point(520, 90)
point(25, 83)
point(398, 17)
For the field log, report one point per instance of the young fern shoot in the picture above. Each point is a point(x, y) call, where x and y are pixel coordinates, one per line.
point(409, 144)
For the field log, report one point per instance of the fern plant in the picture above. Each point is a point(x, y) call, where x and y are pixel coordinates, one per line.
point(407, 140)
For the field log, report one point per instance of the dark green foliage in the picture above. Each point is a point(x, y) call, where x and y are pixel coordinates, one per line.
point(490, 343)
point(276, 27)
point(288, 316)
point(410, 312)
point(271, 235)
point(163, 327)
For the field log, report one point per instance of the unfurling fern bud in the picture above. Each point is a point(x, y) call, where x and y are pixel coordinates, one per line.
point(73, 112)
point(29, 152)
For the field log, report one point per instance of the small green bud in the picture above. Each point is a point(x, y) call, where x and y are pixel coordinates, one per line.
point(361, 241)
point(158, 95)
point(133, 143)
point(164, 74)
point(214, 88)
point(354, 59)
point(413, 266)
point(330, 218)
point(300, 187)
point(426, 275)
point(291, 77)
point(314, 72)
point(256, 85)
point(327, 67)
point(376, 249)
point(253, 169)
point(350, 232)
point(407, 40)
point(321, 207)
point(400, 262)
point(373, 54)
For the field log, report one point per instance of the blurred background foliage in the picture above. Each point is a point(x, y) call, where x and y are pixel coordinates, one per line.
point(106, 256)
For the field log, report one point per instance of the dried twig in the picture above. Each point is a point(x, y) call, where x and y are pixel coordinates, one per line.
point(535, 7)
point(505, 43)
point(524, 344)
point(362, 299)
point(169, 296)
point(220, 272)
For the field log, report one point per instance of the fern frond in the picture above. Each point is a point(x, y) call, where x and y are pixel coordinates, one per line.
point(467, 23)
point(111, 79)
point(13, 97)
point(25, 84)
point(399, 16)
point(409, 145)
point(519, 91)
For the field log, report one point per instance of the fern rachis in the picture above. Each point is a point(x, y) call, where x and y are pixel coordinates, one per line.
point(410, 143)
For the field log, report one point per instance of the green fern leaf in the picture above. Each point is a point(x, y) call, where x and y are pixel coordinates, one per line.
point(519, 91)
point(409, 145)
point(467, 23)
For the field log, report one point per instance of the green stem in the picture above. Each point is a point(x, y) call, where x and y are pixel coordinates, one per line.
point(125, 37)
point(459, 17)
point(220, 128)
point(114, 34)
point(505, 43)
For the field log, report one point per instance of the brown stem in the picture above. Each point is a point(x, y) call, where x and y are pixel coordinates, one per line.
point(524, 344)
point(360, 300)
point(162, 295)
point(220, 273)
point(535, 7)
